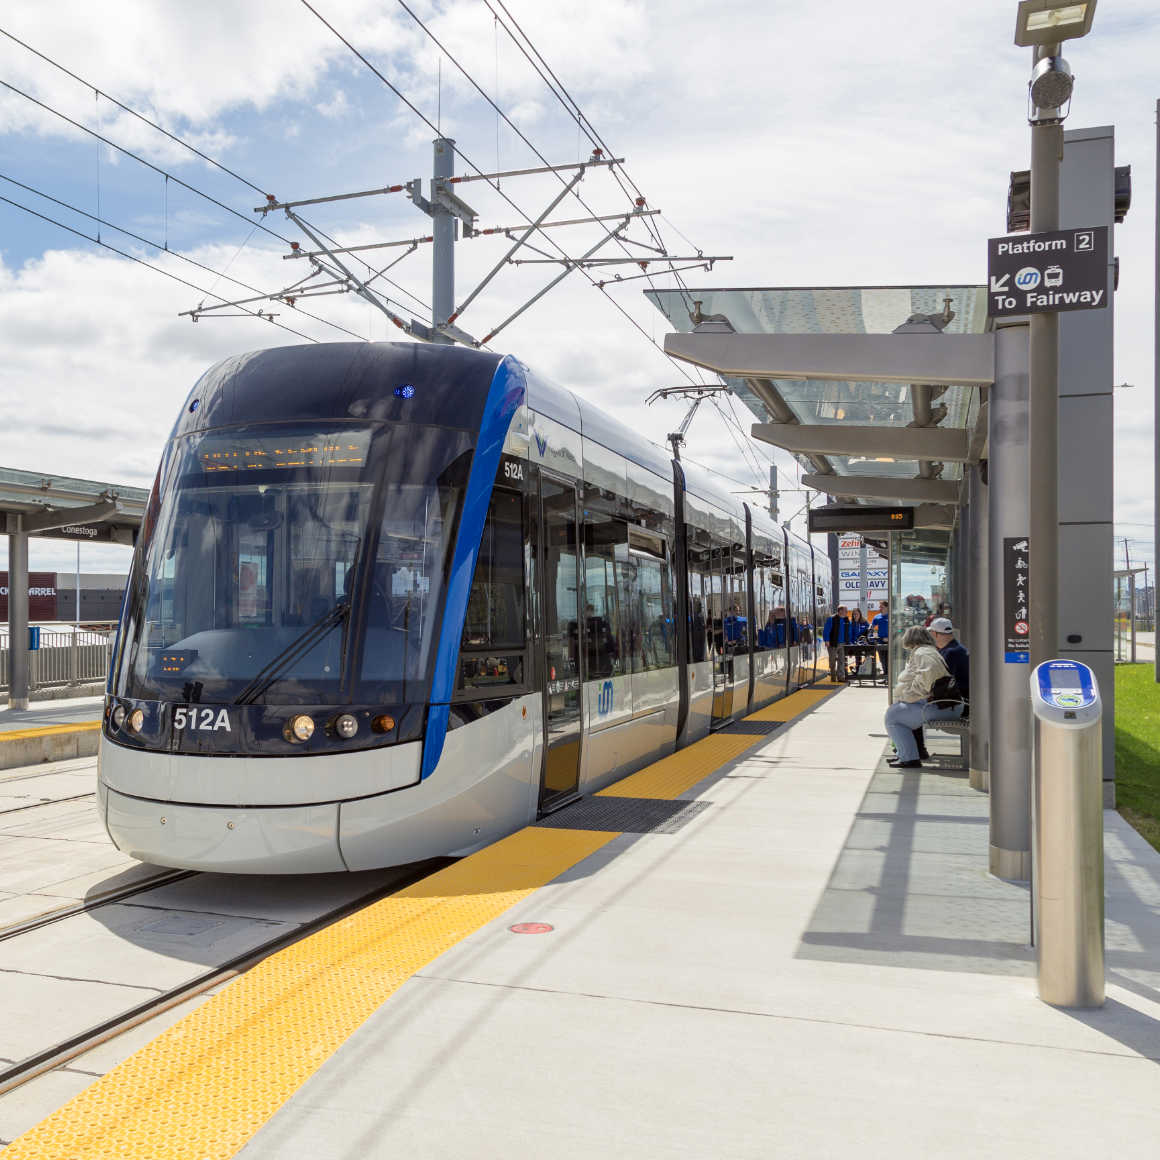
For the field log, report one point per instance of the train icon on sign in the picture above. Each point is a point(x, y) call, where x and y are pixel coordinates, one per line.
point(1053, 276)
point(1027, 278)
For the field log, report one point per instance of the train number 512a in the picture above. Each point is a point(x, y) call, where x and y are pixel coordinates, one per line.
point(201, 719)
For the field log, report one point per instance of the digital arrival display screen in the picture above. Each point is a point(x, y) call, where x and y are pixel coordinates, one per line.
point(861, 519)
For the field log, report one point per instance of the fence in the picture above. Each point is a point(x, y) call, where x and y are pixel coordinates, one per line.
point(69, 657)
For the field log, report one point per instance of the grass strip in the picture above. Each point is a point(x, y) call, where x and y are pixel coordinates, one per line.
point(1138, 749)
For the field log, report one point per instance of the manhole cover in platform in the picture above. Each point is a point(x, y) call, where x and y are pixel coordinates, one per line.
point(625, 815)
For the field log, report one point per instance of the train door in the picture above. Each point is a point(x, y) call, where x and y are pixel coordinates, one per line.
point(560, 647)
point(720, 601)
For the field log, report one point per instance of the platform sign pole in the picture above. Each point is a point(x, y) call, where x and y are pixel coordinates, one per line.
point(1043, 435)
point(1010, 717)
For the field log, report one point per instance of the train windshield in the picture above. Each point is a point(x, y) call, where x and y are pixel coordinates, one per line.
point(296, 564)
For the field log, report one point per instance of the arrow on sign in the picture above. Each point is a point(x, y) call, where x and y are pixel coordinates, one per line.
point(998, 285)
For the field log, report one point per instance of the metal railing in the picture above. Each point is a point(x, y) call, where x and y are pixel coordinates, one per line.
point(65, 657)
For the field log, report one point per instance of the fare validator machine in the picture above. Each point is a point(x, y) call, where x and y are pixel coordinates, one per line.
point(1068, 834)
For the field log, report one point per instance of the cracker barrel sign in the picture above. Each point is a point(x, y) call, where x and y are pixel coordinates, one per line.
point(41, 596)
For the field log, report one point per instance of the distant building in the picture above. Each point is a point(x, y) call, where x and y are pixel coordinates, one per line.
point(52, 596)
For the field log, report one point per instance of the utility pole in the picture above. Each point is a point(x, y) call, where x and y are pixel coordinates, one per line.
point(443, 248)
point(332, 273)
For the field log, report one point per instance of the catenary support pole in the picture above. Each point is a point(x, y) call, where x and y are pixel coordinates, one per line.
point(1043, 448)
point(17, 614)
point(978, 609)
point(1010, 693)
point(1156, 384)
point(443, 246)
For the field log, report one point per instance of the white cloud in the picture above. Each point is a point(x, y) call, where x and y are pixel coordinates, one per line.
point(833, 143)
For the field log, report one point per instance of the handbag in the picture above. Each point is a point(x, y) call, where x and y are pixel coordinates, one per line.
point(946, 692)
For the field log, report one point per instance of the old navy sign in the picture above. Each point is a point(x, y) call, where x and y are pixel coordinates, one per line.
point(1043, 273)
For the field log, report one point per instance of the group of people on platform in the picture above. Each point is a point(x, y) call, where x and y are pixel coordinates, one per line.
point(846, 627)
point(935, 684)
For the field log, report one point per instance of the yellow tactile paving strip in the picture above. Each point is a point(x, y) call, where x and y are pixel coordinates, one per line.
point(679, 772)
point(203, 1088)
point(792, 706)
point(48, 730)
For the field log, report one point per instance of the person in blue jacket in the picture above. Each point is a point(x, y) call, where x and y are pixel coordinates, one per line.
point(837, 632)
point(880, 628)
point(858, 624)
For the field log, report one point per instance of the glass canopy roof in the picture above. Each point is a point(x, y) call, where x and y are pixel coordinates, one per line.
point(842, 310)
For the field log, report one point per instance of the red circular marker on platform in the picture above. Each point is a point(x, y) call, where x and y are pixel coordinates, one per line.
point(531, 928)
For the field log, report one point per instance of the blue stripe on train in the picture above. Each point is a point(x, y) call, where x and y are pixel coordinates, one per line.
point(507, 391)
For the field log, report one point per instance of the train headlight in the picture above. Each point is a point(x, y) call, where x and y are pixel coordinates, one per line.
point(118, 716)
point(346, 725)
point(137, 720)
point(300, 728)
point(383, 723)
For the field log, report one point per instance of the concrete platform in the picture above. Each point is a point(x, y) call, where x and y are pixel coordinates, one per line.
point(815, 964)
point(50, 731)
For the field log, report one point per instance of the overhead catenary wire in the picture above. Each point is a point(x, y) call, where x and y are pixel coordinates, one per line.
point(500, 113)
point(150, 266)
point(584, 125)
point(132, 112)
point(219, 274)
point(136, 157)
point(99, 93)
point(471, 164)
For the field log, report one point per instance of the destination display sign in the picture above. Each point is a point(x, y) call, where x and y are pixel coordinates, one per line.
point(861, 519)
point(1041, 273)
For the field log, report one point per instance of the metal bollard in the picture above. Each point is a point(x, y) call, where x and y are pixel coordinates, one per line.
point(1068, 834)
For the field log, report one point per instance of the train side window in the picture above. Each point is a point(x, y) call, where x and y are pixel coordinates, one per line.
point(761, 610)
point(699, 589)
point(605, 557)
point(494, 628)
point(736, 622)
point(647, 595)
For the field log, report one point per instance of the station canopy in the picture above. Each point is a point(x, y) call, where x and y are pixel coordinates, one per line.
point(60, 507)
point(869, 454)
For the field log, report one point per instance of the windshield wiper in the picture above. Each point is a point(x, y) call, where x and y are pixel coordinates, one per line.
point(297, 648)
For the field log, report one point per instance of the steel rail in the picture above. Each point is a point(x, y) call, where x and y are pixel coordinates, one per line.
point(75, 1045)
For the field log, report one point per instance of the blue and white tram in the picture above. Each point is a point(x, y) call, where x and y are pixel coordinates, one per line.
point(393, 601)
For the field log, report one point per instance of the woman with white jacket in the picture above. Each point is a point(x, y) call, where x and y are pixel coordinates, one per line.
point(924, 666)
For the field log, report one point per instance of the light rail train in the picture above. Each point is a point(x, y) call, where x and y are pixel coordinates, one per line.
point(393, 601)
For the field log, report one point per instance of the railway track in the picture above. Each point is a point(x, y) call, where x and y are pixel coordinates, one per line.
point(50, 917)
point(71, 1047)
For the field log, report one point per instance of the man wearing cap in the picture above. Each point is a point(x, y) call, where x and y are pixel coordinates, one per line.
point(958, 661)
point(957, 658)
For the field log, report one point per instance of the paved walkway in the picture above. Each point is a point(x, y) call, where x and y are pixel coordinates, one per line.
point(817, 965)
point(42, 713)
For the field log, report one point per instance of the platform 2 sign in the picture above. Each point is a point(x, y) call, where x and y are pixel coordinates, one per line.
point(1016, 580)
point(1042, 273)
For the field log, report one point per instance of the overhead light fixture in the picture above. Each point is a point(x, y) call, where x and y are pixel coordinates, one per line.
point(1051, 83)
point(1048, 22)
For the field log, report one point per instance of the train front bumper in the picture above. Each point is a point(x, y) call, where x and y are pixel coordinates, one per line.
point(225, 839)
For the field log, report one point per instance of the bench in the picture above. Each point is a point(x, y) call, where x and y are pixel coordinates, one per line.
point(958, 727)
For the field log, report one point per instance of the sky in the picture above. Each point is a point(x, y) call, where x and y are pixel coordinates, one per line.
point(831, 143)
